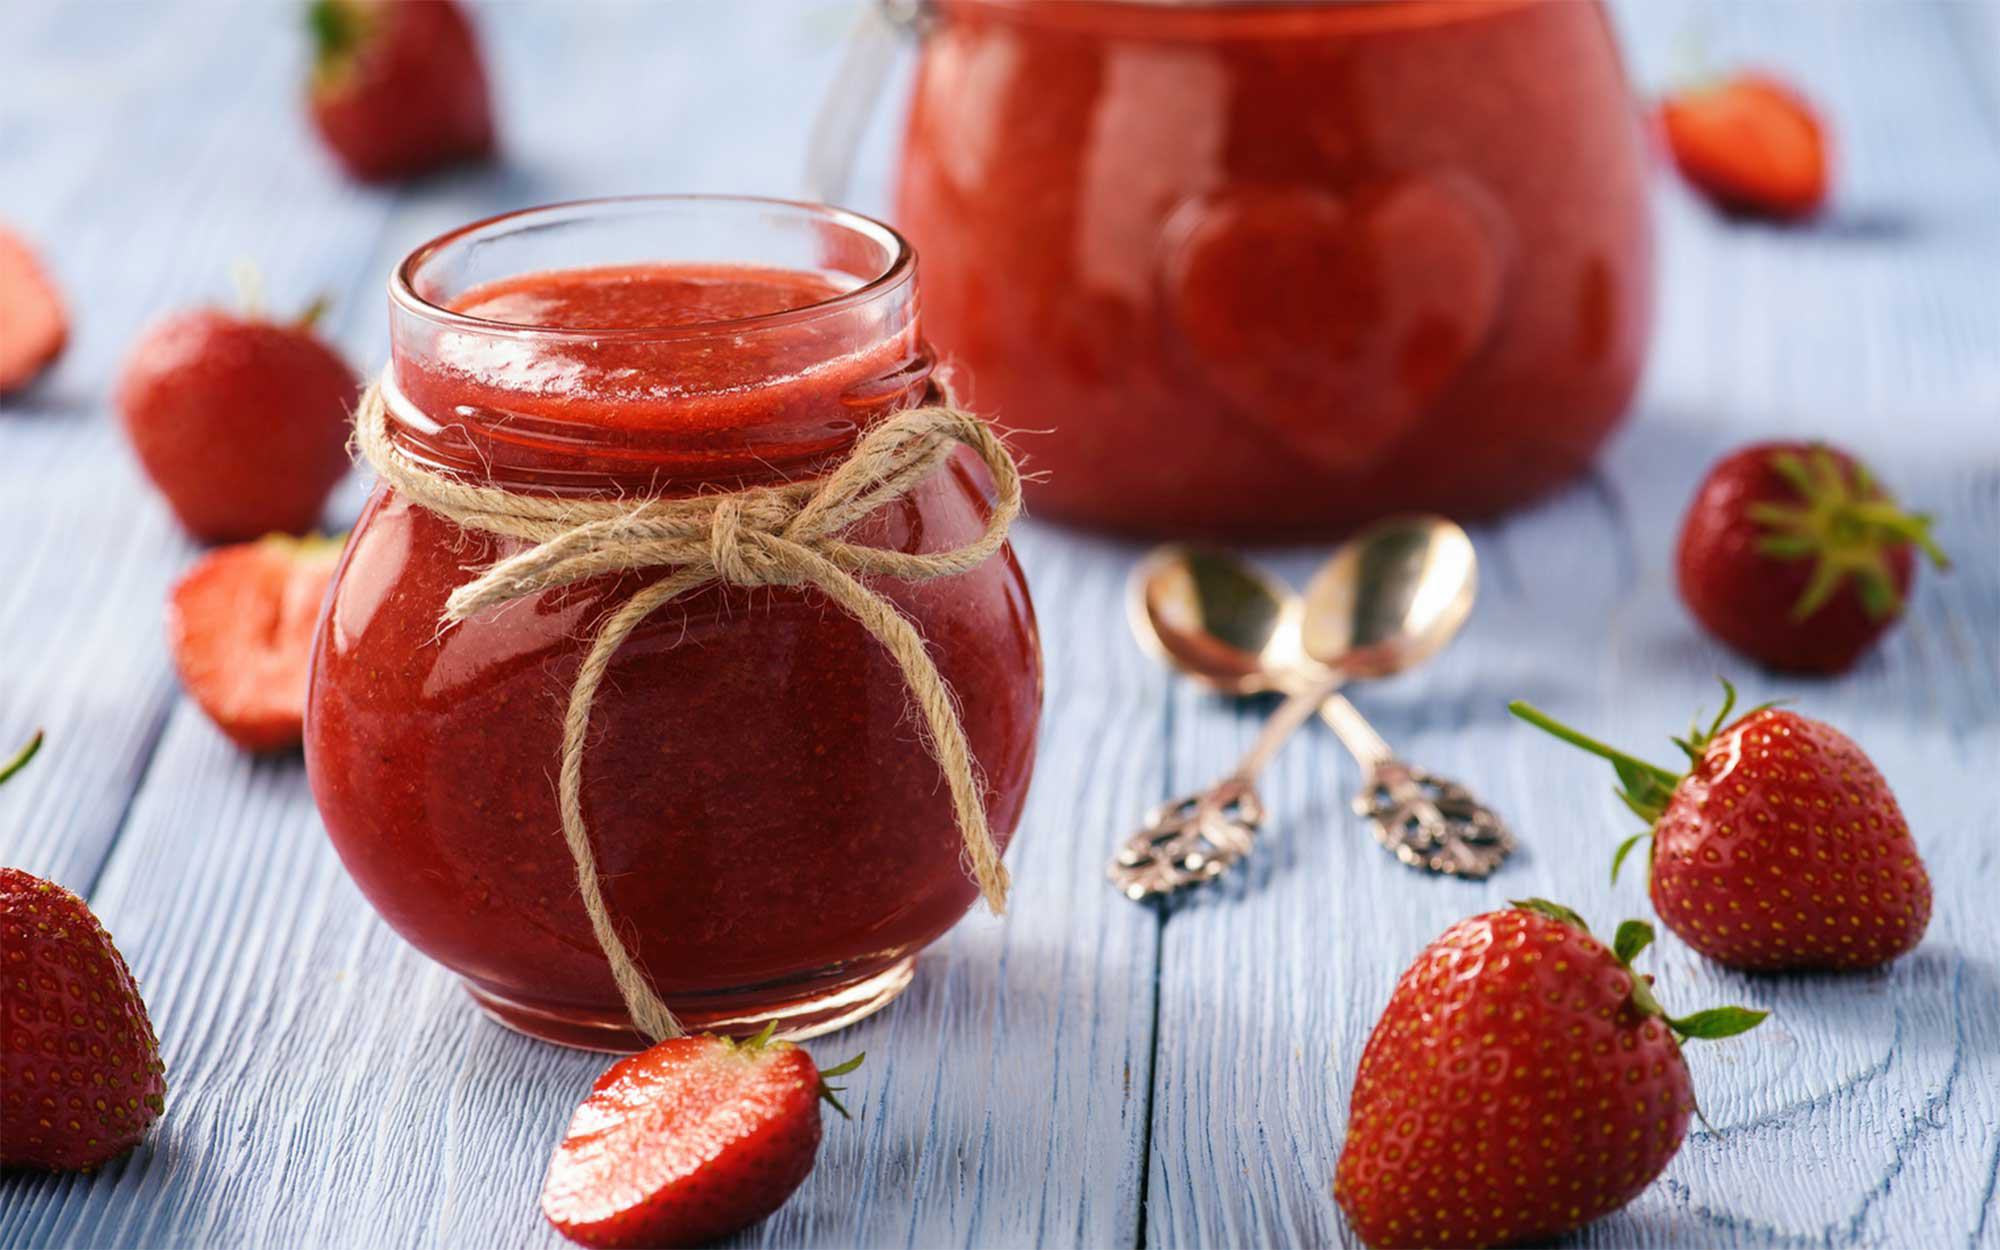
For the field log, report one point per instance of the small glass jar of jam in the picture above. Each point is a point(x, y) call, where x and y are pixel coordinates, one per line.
point(772, 836)
point(1268, 269)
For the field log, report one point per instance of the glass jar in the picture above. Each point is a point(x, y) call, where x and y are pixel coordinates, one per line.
point(772, 835)
point(1268, 270)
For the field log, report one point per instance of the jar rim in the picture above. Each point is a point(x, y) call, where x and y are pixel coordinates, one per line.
point(896, 270)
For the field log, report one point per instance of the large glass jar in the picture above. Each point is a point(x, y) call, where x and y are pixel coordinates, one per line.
point(1267, 269)
point(771, 832)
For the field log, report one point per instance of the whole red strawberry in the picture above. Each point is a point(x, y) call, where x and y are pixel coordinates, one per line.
point(80, 1072)
point(240, 628)
point(1751, 144)
point(1794, 555)
point(687, 1142)
point(397, 86)
point(242, 423)
point(1522, 1082)
point(1781, 847)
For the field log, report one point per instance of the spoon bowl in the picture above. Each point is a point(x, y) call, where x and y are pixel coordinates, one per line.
point(1390, 598)
point(1222, 621)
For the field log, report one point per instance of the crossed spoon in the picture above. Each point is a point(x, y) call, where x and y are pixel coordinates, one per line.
point(1389, 599)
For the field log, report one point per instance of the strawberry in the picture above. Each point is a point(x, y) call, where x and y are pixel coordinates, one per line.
point(1751, 144)
point(1780, 847)
point(1792, 554)
point(240, 626)
point(241, 423)
point(80, 1072)
point(397, 86)
point(1522, 1082)
point(33, 326)
point(688, 1141)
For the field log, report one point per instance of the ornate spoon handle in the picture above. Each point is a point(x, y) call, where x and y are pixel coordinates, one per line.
point(1427, 822)
point(1424, 820)
point(1200, 837)
point(1430, 822)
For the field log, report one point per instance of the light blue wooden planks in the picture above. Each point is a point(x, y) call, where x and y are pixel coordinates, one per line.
point(1085, 1071)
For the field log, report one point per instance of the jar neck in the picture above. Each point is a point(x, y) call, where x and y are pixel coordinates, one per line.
point(652, 344)
point(748, 402)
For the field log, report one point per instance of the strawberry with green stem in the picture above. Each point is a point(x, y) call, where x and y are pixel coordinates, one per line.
point(1795, 555)
point(1780, 847)
point(398, 86)
point(1523, 1081)
point(80, 1074)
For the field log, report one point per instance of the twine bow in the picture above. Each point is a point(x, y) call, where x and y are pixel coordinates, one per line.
point(785, 535)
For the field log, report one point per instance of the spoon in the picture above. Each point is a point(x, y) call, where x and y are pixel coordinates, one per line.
point(1388, 600)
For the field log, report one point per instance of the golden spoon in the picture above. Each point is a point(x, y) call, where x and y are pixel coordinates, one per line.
point(1389, 599)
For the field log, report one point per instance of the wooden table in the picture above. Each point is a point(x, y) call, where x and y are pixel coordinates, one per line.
point(1086, 1071)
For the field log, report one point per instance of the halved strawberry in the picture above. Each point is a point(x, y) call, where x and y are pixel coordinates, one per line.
point(1751, 144)
point(240, 625)
point(33, 326)
point(688, 1141)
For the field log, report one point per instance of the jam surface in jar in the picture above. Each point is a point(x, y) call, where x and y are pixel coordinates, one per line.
point(773, 837)
point(1271, 270)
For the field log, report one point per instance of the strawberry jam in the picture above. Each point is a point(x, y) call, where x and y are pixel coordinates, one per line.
point(774, 840)
point(1270, 270)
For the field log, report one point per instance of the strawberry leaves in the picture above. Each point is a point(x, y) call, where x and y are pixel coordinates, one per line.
point(1847, 524)
point(765, 1039)
point(827, 1092)
point(1645, 788)
point(1554, 911)
point(1624, 849)
point(1716, 1022)
point(1633, 937)
point(338, 29)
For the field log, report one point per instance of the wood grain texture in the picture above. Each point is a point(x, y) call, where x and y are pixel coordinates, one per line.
point(1086, 1071)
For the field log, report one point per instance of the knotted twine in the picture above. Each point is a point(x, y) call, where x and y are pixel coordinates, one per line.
point(783, 535)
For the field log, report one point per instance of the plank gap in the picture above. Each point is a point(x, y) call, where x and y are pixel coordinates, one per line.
point(149, 751)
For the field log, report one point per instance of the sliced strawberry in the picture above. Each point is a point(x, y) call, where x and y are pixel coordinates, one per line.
point(240, 625)
point(1751, 144)
point(33, 326)
point(687, 1142)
